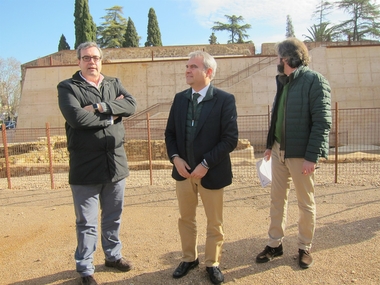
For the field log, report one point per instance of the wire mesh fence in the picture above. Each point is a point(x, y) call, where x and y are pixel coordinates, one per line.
point(38, 157)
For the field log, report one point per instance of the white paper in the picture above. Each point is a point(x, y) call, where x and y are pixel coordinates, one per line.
point(264, 171)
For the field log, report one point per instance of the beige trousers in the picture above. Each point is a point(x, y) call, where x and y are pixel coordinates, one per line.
point(187, 195)
point(285, 171)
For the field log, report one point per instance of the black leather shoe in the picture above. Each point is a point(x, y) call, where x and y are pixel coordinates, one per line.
point(216, 276)
point(88, 280)
point(269, 253)
point(184, 267)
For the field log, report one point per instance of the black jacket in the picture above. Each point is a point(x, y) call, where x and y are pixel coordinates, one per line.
point(96, 147)
point(215, 137)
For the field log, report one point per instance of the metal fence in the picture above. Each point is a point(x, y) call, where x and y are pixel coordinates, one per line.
point(35, 158)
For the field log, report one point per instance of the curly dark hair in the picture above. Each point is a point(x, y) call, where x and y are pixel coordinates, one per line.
point(294, 51)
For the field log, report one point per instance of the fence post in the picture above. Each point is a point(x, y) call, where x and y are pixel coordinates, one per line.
point(50, 156)
point(6, 155)
point(149, 149)
point(336, 141)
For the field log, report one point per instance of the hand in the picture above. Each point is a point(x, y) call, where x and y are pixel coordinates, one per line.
point(308, 167)
point(199, 171)
point(181, 166)
point(267, 154)
point(118, 98)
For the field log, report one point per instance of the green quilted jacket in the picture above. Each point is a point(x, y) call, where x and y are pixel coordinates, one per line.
point(307, 122)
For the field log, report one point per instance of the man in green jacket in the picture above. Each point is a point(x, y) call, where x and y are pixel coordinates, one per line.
point(93, 106)
point(297, 138)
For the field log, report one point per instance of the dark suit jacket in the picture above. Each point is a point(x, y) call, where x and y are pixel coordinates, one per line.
point(216, 135)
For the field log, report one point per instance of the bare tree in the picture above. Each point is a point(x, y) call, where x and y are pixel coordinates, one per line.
point(10, 88)
point(323, 9)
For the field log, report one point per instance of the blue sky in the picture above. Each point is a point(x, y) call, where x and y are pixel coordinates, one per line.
point(32, 28)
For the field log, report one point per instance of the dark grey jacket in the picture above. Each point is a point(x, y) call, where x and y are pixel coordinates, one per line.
point(307, 115)
point(96, 147)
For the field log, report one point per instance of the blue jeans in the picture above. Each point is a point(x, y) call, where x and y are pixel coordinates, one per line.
point(86, 205)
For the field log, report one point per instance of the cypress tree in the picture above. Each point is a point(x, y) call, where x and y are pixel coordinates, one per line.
point(63, 45)
point(289, 27)
point(213, 39)
point(154, 34)
point(85, 28)
point(132, 39)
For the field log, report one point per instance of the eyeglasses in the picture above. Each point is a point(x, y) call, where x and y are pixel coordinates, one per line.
point(87, 58)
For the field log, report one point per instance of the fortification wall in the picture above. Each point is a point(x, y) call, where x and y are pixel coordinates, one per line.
point(353, 73)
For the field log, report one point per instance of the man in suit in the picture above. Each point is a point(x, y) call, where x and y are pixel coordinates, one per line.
point(200, 134)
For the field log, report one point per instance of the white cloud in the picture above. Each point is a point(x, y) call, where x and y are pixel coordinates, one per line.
point(267, 18)
point(254, 10)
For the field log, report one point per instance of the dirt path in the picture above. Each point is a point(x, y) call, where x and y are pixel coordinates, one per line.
point(37, 239)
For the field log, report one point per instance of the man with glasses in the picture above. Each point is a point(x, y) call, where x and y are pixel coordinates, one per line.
point(93, 106)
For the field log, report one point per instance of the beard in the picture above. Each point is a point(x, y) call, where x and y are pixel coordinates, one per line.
point(281, 68)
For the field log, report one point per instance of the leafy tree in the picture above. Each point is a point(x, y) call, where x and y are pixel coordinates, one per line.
point(289, 27)
point(111, 32)
point(10, 88)
point(63, 45)
point(131, 38)
point(85, 28)
point(154, 34)
point(237, 31)
point(321, 33)
point(213, 39)
point(364, 19)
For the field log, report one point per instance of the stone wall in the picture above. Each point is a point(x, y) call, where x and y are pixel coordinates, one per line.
point(352, 71)
point(68, 57)
point(32, 158)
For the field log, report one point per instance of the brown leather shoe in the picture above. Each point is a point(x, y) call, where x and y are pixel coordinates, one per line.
point(269, 253)
point(122, 264)
point(305, 259)
point(88, 280)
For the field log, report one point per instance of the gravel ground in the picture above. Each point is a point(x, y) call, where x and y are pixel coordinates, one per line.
point(38, 235)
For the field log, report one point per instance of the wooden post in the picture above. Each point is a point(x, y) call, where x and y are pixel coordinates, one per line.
point(50, 156)
point(6, 155)
point(149, 149)
point(336, 141)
